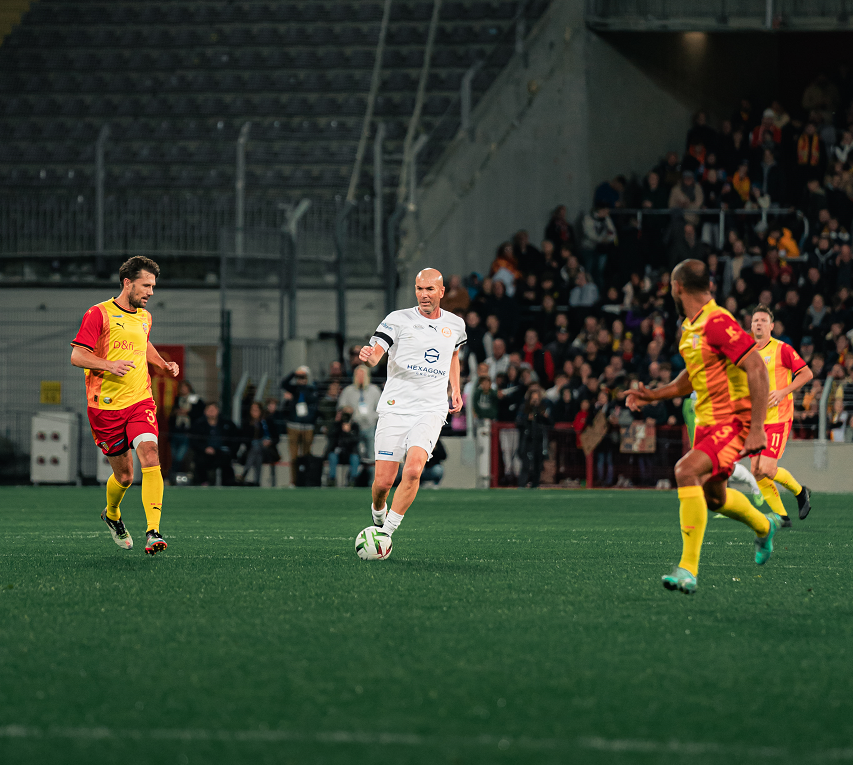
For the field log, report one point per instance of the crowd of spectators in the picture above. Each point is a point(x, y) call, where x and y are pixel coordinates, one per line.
point(557, 330)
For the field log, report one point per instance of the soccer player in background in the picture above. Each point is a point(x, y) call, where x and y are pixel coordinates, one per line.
point(112, 347)
point(732, 389)
point(422, 344)
point(787, 372)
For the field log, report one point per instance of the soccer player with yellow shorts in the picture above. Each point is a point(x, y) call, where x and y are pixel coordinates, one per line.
point(787, 372)
point(732, 389)
point(112, 347)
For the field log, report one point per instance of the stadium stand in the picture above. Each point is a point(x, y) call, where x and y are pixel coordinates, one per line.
point(176, 80)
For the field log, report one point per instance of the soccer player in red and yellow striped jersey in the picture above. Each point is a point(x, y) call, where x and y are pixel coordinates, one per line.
point(787, 372)
point(112, 347)
point(732, 389)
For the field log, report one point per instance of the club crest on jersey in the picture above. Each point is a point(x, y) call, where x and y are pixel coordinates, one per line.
point(431, 355)
point(695, 341)
point(767, 359)
point(446, 331)
point(144, 326)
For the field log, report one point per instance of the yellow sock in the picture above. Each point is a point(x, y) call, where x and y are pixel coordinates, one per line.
point(771, 494)
point(115, 493)
point(741, 509)
point(152, 495)
point(787, 480)
point(693, 513)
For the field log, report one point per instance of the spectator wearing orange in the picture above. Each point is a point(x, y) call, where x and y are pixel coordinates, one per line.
point(766, 132)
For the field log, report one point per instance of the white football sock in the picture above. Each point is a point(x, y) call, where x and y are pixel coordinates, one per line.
point(740, 473)
point(392, 522)
point(379, 515)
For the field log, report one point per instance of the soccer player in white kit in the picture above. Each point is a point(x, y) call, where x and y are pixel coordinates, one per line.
point(422, 344)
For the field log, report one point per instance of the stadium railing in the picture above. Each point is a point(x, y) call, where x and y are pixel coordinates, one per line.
point(568, 465)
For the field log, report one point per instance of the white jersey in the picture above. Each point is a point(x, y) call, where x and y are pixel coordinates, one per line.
point(419, 354)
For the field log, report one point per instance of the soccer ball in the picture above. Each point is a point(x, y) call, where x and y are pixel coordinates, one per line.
point(373, 544)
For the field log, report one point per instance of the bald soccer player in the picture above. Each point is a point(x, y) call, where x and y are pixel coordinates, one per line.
point(732, 390)
point(422, 344)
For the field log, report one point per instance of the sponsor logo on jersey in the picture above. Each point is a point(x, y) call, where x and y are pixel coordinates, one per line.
point(446, 331)
point(107, 400)
point(119, 324)
point(431, 371)
point(391, 401)
point(418, 326)
point(433, 328)
point(104, 445)
point(387, 454)
point(387, 326)
point(431, 355)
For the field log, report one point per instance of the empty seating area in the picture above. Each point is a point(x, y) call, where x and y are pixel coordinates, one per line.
point(175, 81)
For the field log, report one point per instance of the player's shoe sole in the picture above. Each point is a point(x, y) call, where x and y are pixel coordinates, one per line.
point(119, 533)
point(154, 543)
point(680, 579)
point(764, 545)
point(804, 502)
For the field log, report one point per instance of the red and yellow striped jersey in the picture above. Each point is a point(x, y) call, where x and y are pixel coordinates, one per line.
point(782, 362)
point(712, 344)
point(113, 334)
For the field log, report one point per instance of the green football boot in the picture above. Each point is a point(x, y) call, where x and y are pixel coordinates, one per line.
point(680, 579)
point(764, 545)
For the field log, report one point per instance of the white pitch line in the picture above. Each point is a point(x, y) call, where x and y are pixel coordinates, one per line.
point(625, 746)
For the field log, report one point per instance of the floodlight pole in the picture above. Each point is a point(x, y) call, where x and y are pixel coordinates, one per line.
point(240, 189)
point(378, 193)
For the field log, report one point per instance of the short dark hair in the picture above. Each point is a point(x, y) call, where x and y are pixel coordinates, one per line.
point(693, 276)
point(132, 267)
point(761, 308)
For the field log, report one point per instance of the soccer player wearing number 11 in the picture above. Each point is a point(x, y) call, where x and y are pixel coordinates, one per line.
point(112, 347)
point(423, 358)
point(732, 390)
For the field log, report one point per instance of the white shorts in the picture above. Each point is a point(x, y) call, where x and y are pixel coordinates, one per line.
point(397, 433)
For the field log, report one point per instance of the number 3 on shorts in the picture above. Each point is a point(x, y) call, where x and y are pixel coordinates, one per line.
point(150, 416)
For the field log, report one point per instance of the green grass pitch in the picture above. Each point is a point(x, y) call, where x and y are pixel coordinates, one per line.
point(506, 627)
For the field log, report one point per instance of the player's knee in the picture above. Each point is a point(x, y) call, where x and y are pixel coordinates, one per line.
point(382, 483)
point(124, 477)
point(684, 475)
point(412, 473)
point(714, 503)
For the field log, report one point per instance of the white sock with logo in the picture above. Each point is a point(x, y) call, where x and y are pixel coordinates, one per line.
point(378, 515)
point(392, 522)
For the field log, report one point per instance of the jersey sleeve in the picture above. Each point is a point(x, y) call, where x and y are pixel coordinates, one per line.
point(463, 338)
point(791, 359)
point(386, 333)
point(90, 329)
point(726, 336)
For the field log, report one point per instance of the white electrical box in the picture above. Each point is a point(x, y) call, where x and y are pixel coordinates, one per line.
point(54, 454)
point(105, 471)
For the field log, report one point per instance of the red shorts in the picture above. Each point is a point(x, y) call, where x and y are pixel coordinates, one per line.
point(115, 429)
point(777, 437)
point(722, 443)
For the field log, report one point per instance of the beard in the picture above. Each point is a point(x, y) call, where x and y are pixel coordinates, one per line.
point(679, 305)
point(136, 301)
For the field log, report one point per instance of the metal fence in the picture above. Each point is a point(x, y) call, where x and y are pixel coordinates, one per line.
point(52, 236)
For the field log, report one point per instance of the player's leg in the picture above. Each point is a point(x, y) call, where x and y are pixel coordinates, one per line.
point(690, 472)
point(764, 466)
point(735, 505)
point(117, 484)
point(142, 432)
point(787, 480)
point(406, 492)
point(384, 474)
point(742, 474)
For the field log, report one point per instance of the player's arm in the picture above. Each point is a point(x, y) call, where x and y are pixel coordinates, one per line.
point(86, 359)
point(759, 389)
point(455, 391)
point(800, 377)
point(371, 354)
point(638, 397)
point(156, 360)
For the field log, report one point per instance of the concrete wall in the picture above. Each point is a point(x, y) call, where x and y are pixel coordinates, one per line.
point(579, 109)
point(836, 479)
